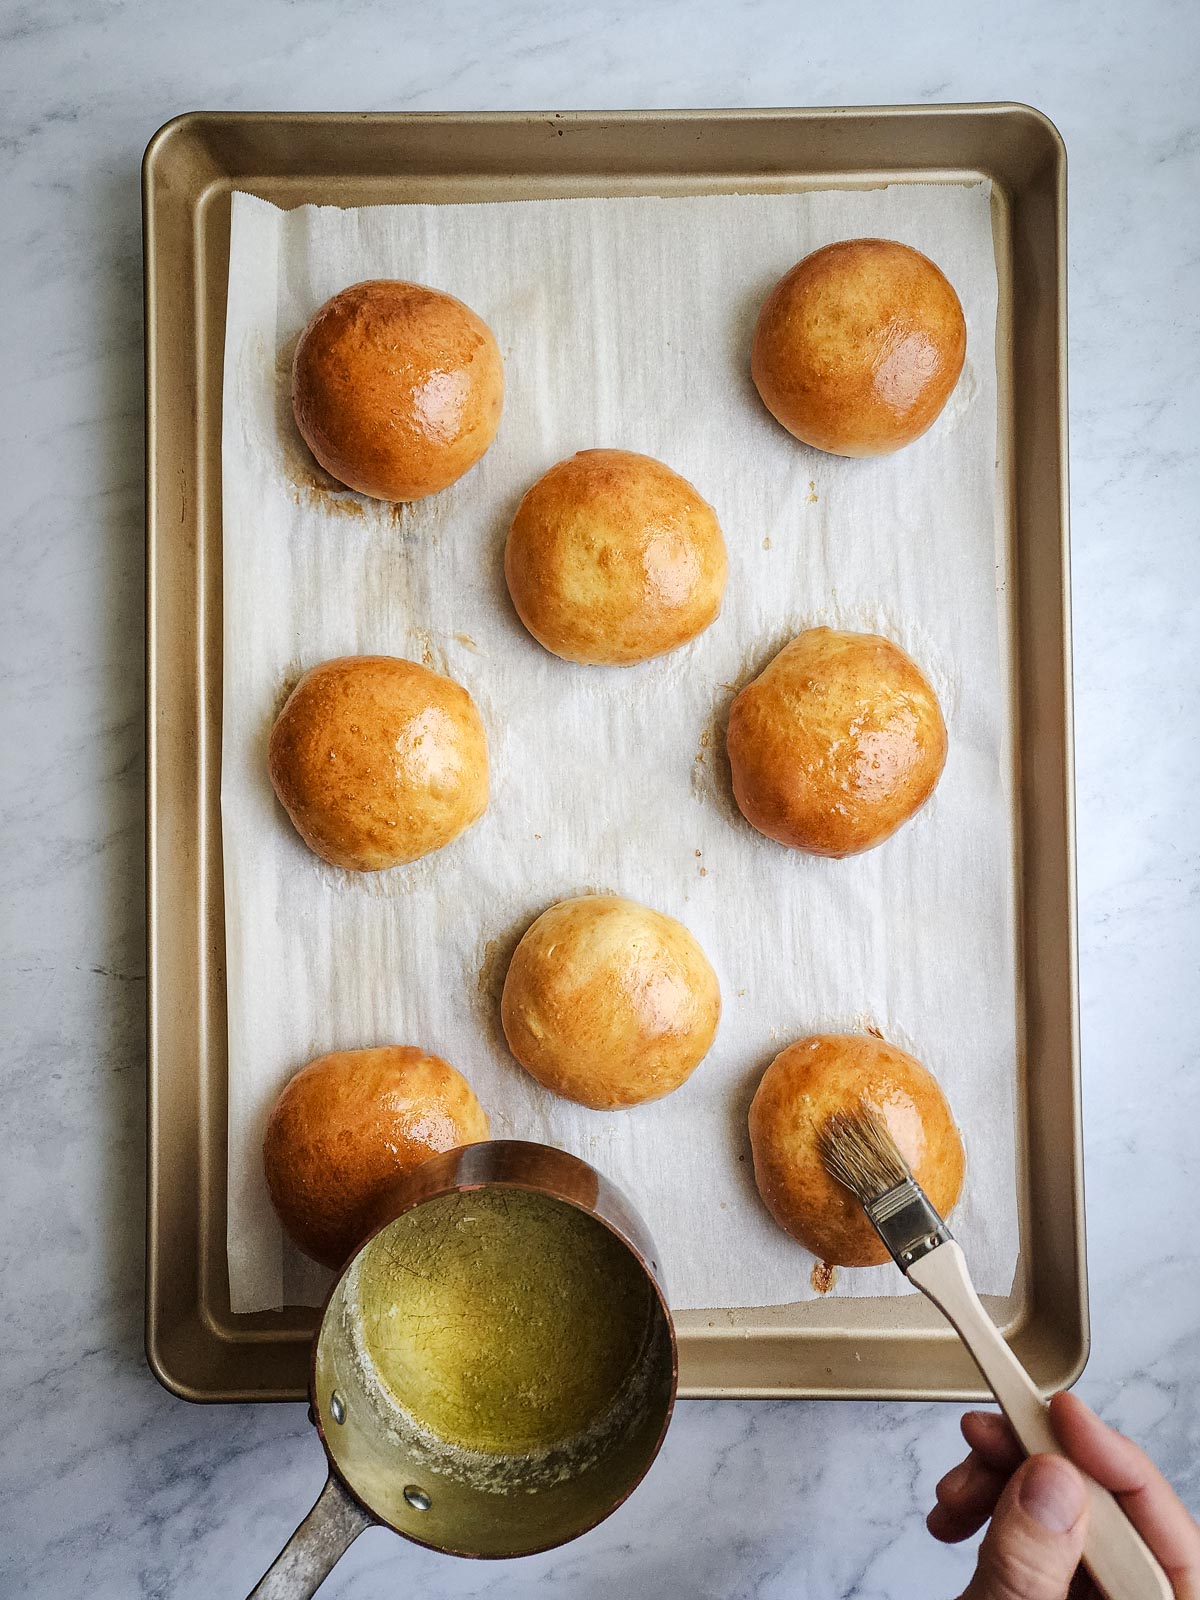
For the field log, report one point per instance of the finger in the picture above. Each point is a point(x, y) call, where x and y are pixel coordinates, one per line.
point(1033, 1546)
point(992, 1440)
point(966, 1498)
point(1146, 1497)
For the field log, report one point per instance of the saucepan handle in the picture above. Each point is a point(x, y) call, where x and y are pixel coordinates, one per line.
point(313, 1551)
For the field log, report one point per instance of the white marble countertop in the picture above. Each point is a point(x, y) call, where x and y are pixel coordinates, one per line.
point(110, 1487)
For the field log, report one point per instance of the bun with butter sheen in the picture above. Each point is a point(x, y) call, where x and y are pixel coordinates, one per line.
point(613, 558)
point(804, 1086)
point(347, 1126)
point(609, 1003)
point(378, 761)
point(859, 346)
point(397, 389)
point(836, 743)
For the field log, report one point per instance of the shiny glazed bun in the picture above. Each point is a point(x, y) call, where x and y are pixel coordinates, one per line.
point(397, 389)
point(836, 743)
point(378, 761)
point(801, 1089)
point(859, 346)
point(609, 1003)
point(613, 558)
point(347, 1126)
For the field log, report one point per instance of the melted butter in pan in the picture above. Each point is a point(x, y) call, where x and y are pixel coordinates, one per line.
point(503, 1322)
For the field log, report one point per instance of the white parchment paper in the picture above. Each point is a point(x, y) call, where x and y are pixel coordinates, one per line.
point(625, 323)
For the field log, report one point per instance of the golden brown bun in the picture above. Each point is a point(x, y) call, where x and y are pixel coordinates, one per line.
point(609, 1003)
point(378, 761)
point(346, 1127)
point(799, 1092)
point(859, 346)
point(613, 558)
point(397, 389)
point(836, 743)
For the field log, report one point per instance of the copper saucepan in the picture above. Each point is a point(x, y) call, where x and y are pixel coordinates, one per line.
point(378, 1477)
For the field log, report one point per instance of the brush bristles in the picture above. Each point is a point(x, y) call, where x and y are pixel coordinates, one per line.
point(860, 1153)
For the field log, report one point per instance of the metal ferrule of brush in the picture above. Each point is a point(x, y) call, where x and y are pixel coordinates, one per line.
point(907, 1223)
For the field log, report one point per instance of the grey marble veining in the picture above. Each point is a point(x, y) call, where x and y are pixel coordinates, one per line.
point(108, 1486)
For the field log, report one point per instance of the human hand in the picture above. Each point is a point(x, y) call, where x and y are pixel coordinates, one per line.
point(1038, 1507)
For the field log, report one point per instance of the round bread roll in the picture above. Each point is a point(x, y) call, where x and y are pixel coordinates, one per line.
point(609, 1003)
point(346, 1127)
point(836, 743)
point(397, 389)
point(859, 346)
point(613, 558)
point(378, 761)
point(801, 1089)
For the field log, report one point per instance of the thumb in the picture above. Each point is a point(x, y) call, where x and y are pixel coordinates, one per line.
point(1036, 1538)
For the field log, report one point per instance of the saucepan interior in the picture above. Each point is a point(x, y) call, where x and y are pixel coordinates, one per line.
point(524, 1471)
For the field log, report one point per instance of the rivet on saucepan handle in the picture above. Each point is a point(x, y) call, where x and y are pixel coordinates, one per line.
point(337, 1407)
point(416, 1497)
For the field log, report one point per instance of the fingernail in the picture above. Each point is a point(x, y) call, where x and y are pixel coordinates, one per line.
point(1052, 1493)
point(989, 1419)
point(956, 1479)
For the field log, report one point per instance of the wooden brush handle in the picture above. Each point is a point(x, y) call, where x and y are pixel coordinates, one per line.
point(1116, 1555)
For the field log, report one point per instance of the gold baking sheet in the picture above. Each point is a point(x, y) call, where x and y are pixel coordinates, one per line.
point(836, 1348)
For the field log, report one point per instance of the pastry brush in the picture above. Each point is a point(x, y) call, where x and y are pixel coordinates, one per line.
point(859, 1151)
